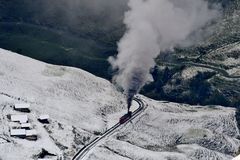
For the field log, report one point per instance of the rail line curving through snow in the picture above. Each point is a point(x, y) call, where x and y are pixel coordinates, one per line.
point(84, 151)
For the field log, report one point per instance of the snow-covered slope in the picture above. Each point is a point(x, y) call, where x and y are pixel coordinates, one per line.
point(81, 106)
point(170, 131)
point(78, 104)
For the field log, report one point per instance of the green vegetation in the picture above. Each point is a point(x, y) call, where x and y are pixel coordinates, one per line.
point(63, 32)
point(55, 47)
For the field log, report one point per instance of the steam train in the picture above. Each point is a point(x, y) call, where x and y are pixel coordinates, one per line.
point(125, 118)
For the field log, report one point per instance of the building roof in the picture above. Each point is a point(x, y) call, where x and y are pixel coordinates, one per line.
point(25, 125)
point(19, 118)
point(12, 125)
point(18, 132)
point(32, 132)
point(22, 106)
point(44, 117)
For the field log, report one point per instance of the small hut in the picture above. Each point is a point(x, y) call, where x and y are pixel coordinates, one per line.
point(44, 118)
point(19, 118)
point(24, 107)
point(26, 126)
point(21, 133)
point(31, 134)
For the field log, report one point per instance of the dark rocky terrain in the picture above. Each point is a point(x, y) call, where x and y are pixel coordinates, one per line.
point(80, 34)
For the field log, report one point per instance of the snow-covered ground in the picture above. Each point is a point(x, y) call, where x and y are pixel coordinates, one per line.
point(81, 106)
point(236, 158)
point(235, 71)
point(191, 72)
point(227, 55)
point(174, 131)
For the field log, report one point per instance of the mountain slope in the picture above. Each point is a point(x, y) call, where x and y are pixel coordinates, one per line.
point(82, 106)
point(174, 131)
point(78, 33)
point(78, 103)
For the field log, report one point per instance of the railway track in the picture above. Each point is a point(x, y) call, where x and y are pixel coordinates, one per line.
point(85, 150)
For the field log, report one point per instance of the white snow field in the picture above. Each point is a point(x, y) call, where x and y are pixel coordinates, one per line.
point(81, 106)
point(236, 158)
point(171, 131)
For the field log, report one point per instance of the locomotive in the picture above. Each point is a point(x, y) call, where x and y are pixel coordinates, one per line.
point(125, 118)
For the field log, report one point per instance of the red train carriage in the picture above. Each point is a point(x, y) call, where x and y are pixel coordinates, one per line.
point(125, 118)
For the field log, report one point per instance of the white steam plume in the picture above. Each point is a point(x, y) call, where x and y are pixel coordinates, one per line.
point(154, 26)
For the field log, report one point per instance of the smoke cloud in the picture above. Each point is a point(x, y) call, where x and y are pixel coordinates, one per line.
point(154, 26)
